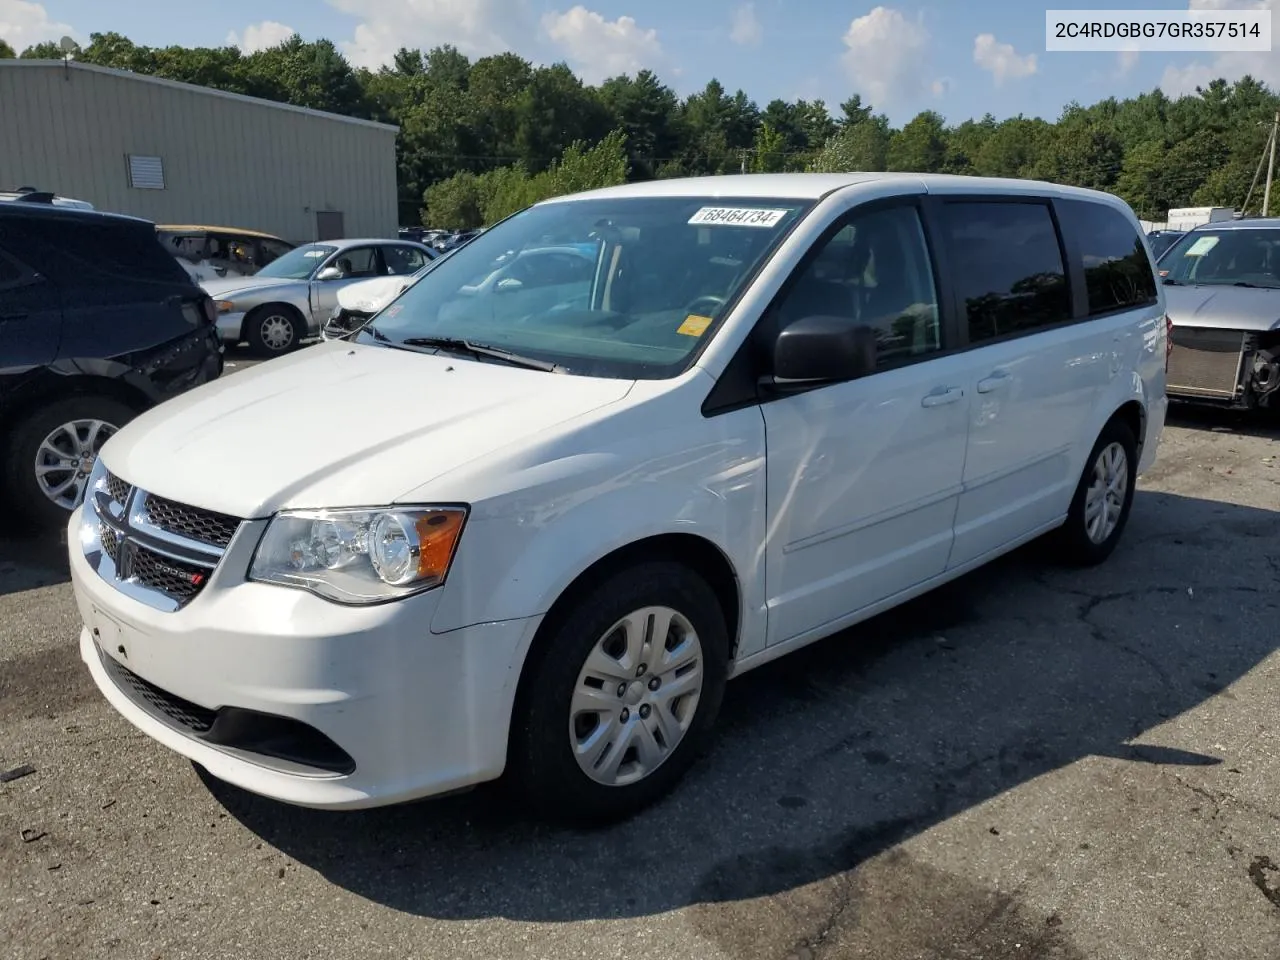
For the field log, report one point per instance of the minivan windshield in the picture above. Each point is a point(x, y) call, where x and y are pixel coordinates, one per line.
point(297, 264)
point(613, 287)
point(1247, 257)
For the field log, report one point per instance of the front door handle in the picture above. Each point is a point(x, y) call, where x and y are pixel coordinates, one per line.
point(5, 317)
point(950, 395)
point(993, 383)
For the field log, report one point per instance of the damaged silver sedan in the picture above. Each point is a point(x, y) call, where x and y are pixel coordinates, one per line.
point(1222, 291)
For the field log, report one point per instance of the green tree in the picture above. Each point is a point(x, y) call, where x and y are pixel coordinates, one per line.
point(556, 109)
point(6, 52)
point(863, 146)
point(769, 154)
point(456, 203)
point(48, 50)
point(648, 112)
point(920, 146)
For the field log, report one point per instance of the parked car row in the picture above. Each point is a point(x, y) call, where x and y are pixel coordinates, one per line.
point(290, 299)
point(439, 240)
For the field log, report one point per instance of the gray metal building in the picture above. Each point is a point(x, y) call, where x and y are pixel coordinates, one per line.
point(181, 154)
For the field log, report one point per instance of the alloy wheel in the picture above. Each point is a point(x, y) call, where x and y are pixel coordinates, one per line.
point(66, 457)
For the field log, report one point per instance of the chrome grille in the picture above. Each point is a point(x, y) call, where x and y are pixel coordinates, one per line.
point(117, 489)
point(172, 577)
point(110, 543)
point(1205, 363)
point(203, 525)
point(157, 550)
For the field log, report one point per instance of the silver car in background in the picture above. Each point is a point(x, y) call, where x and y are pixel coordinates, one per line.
point(1222, 289)
point(290, 298)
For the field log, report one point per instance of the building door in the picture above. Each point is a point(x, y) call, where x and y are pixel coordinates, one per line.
point(329, 225)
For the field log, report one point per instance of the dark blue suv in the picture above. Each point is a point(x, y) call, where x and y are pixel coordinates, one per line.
point(97, 324)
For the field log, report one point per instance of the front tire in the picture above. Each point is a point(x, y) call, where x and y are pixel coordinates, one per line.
point(1104, 497)
point(274, 330)
point(48, 460)
point(620, 699)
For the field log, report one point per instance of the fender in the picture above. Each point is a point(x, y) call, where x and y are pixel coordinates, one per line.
point(517, 555)
point(1143, 385)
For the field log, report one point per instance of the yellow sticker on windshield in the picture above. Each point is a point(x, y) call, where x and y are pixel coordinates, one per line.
point(694, 325)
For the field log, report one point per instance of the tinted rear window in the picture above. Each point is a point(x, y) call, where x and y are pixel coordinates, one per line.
point(1008, 267)
point(1117, 271)
point(75, 251)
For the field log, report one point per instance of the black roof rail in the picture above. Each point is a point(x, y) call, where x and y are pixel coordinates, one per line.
point(36, 196)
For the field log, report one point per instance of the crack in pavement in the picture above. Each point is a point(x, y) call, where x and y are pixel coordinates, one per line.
point(1258, 870)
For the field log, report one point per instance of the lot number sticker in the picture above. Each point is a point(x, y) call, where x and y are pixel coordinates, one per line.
point(737, 217)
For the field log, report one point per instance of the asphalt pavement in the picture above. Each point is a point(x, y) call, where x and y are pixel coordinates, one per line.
point(1029, 763)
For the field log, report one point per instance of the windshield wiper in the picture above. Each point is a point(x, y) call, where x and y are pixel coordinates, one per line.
point(458, 344)
point(1256, 286)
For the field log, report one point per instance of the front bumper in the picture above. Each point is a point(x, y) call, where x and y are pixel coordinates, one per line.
point(230, 326)
point(417, 713)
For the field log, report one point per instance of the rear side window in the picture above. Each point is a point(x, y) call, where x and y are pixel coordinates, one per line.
point(84, 252)
point(1117, 271)
point(273, 250)
point(189, 246)
point(1008, 267)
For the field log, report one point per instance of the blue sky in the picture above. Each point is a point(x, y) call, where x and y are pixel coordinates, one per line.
point(960, 57)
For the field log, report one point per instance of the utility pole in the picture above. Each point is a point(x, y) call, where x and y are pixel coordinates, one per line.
point(1271, 166)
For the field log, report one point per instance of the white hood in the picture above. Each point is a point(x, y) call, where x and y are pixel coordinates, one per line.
point(340, 425)
point(237, 284)
point(370, 296)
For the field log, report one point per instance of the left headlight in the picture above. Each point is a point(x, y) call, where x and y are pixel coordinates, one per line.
point(360, 556)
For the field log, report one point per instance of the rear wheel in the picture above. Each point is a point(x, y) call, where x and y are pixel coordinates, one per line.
point(274, 329)
point(1103, 499)
point(619, 701)
point(53, 451)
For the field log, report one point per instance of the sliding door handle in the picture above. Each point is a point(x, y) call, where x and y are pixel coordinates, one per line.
point(941, 397)
point(997, 381)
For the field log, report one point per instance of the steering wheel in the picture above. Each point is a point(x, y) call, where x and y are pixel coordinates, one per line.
point(715, 301)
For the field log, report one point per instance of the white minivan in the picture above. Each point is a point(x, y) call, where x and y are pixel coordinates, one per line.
point(531, 527)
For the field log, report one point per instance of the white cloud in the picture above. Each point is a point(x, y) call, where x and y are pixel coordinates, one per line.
point(24, 24)
point(476, 27)
point(260, 36)
point(886, 54)
point(1261, 65)
point(941, 87)
point(1001, 60)
point(600, 48)
point(1126, 60)
point(746, 30)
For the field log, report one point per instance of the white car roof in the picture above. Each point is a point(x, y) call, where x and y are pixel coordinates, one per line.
point(814, 186)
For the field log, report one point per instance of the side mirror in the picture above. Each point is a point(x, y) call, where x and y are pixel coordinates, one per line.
point(329, 273)
point(509, 285)
point(820, 349)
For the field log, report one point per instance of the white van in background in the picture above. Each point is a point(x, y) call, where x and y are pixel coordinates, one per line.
point(532, 527)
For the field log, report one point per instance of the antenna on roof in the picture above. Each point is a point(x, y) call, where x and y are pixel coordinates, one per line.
point(68, 47)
